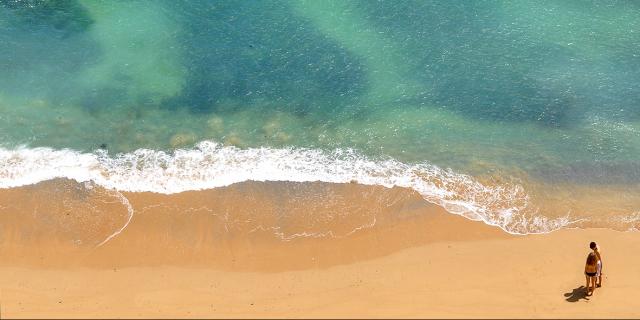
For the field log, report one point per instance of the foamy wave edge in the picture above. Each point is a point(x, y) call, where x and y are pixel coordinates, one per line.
point(210, 165)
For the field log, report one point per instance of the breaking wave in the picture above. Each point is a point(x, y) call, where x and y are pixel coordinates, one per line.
point(210, 165)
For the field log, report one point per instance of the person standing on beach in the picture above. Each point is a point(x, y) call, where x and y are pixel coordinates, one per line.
point(596, 250)
point(590, 272)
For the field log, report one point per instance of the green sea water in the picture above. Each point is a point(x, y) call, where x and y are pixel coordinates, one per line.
point(543, 91)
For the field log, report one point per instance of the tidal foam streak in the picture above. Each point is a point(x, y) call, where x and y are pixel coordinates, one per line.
point(210, 165)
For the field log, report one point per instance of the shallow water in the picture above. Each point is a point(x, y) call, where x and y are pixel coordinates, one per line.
point(532, 106)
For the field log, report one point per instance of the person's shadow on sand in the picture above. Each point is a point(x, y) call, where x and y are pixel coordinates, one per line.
point(576, 294)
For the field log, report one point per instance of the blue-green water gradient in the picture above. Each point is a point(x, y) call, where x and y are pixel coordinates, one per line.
point(518, 90)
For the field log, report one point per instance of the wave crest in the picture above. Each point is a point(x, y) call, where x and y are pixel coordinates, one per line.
point(210, 165)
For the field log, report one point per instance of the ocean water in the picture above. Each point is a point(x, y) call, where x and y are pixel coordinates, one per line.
point(520, 114)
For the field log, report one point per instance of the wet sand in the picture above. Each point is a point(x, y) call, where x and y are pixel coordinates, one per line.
point(290, 250)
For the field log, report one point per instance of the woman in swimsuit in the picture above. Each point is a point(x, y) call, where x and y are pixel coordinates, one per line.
point(590, 272)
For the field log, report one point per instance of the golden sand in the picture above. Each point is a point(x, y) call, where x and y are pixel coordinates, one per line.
point(250, 251)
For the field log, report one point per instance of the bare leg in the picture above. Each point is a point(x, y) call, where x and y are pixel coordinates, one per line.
point(593, 284)
point(599, 283)
point(587, 286)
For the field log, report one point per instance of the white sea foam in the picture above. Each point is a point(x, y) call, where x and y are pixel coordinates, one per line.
point(210, 165)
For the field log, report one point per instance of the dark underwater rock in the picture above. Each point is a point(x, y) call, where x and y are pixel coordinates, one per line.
point(65, 16)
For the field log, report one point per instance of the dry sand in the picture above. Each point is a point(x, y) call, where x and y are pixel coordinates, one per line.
point(415, 261)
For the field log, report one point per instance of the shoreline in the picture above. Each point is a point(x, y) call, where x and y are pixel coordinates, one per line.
point(416, 260)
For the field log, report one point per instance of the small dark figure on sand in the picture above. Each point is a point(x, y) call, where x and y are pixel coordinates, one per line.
point(590, 271)
point(593, 269)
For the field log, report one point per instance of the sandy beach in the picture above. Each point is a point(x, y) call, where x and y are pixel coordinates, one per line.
point(318, 158)
point(415, 261)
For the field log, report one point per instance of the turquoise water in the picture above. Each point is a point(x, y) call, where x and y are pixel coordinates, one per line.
point(529, 93)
